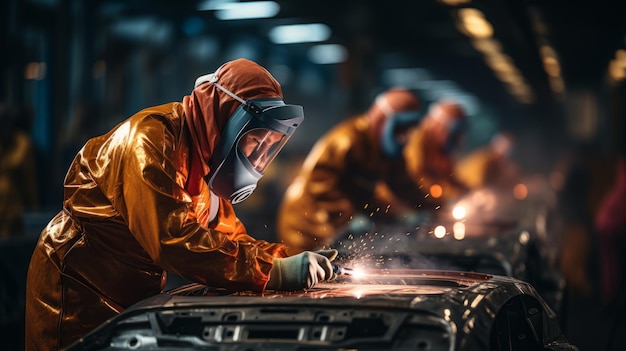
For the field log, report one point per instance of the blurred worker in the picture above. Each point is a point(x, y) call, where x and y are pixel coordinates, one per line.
point(610, 225)
point(347, 173)
point(155, 194)
point(18, 186)
point(491, 165)
point(431, 150)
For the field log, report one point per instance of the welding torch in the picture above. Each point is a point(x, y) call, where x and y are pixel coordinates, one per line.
point(339, 270)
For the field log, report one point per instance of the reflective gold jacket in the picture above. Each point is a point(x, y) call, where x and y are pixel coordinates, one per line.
point(127, 218)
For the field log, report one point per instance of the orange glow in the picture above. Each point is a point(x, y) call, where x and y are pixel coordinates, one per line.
point(520, 191)
point(436, 191)
point(35, 71)
point(458, 229)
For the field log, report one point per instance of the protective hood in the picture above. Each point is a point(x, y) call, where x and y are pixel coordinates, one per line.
point(238, 124)
point(207, 109)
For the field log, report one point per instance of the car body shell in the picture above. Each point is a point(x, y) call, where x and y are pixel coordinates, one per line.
point(381, 309)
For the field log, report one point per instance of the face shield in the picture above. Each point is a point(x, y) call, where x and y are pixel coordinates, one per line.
point(252, 138)
point(396, 130)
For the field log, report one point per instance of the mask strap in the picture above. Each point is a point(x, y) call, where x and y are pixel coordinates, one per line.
point(212, 78)
point(230, 93)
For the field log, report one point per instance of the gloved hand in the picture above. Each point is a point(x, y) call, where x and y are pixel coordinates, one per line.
point(302, 271)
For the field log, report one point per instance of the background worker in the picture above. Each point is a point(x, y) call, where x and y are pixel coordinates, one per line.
point(155, 194)
point(347, 174)
point(431, 153)
point(490, 165)
point(18, 183)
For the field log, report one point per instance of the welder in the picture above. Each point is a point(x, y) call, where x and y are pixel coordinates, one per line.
point(154, 195)
point(432, 151)
point(352, 172)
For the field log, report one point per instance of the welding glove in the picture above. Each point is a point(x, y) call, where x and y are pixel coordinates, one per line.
point(301, 271)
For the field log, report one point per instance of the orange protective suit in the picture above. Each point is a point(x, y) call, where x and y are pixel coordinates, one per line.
point(346, 174)
point(136, 205)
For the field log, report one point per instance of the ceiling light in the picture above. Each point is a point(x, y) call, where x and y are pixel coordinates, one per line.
point(328, 54)
point(299, 33)
point(455, 2)
point(228, 10)
point(487, 45)
point(407, 77)
point(620, 56)
point(616, 70)
point(474, 24)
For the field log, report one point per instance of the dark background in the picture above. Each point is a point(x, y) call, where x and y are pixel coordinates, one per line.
point(81, 67)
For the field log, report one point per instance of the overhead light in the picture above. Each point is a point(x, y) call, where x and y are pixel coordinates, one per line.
point(487, 46)
point(328, 54)
point(620, 57)
point(299, 33)
point(616, 70)
point(229, 10)
point(557, 84)
point(407, 77)
point(617, 66)
point(474, 23)
point(455, 2)
point(209, 5)
point(146, 29)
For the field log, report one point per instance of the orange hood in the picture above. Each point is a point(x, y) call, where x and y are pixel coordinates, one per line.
point(208, 109)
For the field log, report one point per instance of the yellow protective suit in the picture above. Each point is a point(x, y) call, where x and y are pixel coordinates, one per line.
point(345, 174)
point(489, 166)
point(135, 205)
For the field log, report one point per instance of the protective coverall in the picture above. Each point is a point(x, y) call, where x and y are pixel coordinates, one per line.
point(136, 205)
point(337, 180)
point(345, 174)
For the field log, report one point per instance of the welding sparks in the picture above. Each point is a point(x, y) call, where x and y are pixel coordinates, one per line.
point(355, 273)
point(358, 273)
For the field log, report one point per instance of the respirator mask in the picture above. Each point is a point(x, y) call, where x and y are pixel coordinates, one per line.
point(395, 132)
point(396, 127)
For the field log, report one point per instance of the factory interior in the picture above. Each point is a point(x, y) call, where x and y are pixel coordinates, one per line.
point(551, 73)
